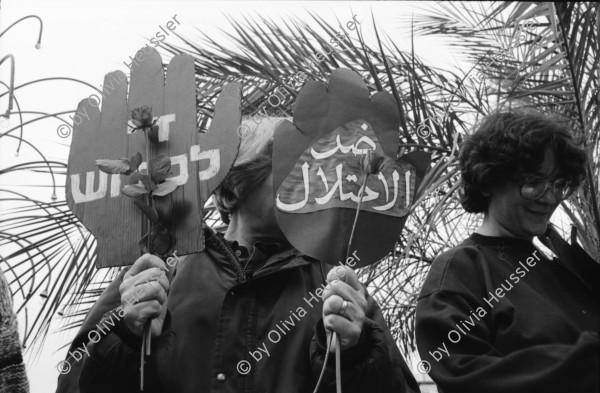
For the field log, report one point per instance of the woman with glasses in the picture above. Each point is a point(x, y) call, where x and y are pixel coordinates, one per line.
point(496, 314)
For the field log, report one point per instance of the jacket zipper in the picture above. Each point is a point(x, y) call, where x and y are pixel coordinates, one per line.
point(237, 263)
point(276, 263)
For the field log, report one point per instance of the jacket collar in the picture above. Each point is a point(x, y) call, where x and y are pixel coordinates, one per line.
point(215, 238)
point(271, 251)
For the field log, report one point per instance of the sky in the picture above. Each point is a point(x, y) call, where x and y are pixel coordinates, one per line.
point(87, 39)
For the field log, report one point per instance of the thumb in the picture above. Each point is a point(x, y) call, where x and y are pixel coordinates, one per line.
point(331, 336)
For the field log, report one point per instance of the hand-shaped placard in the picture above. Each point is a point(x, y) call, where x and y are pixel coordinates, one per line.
point(339, 154)
point(188, 165)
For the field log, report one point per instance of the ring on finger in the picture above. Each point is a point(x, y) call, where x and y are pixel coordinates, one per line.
point(343, 307)
point(153, 279)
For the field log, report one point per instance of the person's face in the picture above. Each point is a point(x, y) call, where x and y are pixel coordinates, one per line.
point(260, 208)
point(514, 216)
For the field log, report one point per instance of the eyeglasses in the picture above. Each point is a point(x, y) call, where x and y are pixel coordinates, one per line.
point(535, 187)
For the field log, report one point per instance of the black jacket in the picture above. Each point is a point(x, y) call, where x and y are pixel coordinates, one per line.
point(227, 331)
point(496, 316)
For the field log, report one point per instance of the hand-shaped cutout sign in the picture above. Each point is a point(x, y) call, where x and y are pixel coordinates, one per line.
point(198, 162)
point(340, 154)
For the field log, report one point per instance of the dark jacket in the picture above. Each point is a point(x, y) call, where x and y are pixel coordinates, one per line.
point(228, 330)
point(495, 315)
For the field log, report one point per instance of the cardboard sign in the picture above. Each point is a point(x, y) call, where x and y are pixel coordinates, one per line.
point(340, 153)
point(199, 161)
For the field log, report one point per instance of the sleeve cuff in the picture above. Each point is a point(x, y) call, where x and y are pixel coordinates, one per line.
point(126, 335)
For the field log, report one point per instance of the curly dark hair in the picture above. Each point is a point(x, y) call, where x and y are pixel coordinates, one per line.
point(512, 142)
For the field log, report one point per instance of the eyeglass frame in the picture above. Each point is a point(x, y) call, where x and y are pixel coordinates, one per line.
point(547, 182)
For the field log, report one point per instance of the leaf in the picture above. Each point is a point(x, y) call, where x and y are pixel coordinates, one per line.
point(121, 166)
point(135, 162)
point(160, 177)
point(135, 178)
point(148, 211)
point(160, 164)
point(133, 191)
point(148, 184)
point(167, 187)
